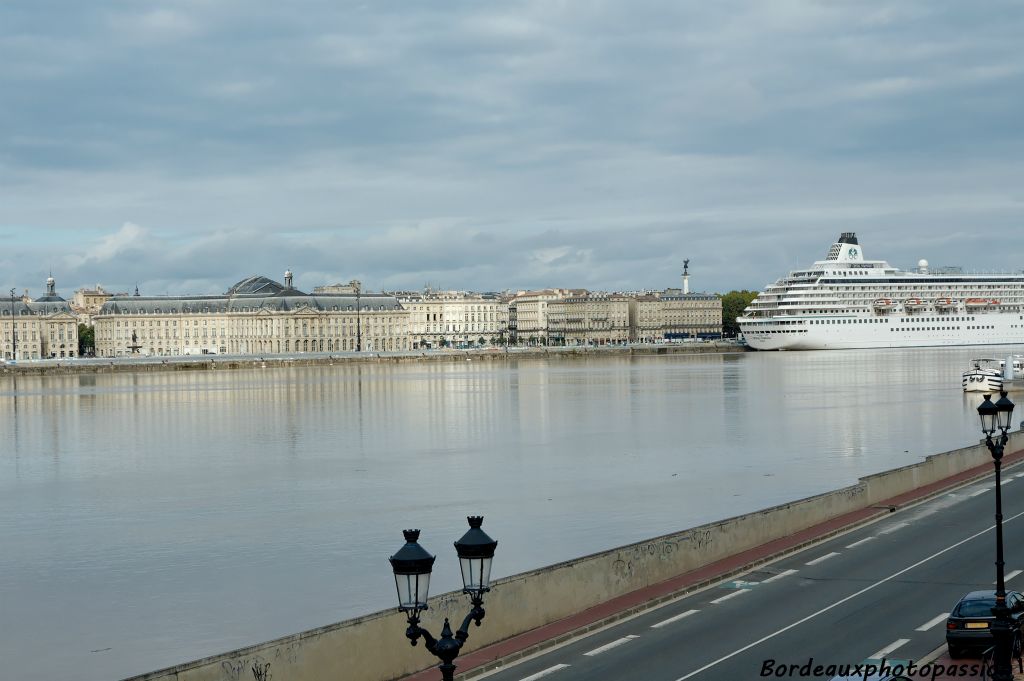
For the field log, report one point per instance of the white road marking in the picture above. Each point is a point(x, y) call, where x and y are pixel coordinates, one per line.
point(841, 601)
point(821, 559)
point(1019, 475)
point(889, 648)
point(613, 644)
point(541, 675)
point(932, 622)
point(1011, 575)
point(977, 492)
point(858, 543)
point(893, 528)
point(670, 620)
point(784, 573)
point(1007, 481)
point(734, 594)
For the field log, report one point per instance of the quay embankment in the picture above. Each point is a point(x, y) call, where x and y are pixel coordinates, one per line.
point(532, 610)
point(60, 367)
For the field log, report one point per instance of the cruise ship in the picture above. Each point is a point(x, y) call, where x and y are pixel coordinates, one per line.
point(846, 301)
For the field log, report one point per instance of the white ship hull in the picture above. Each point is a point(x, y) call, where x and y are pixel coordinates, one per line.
point(896, 331)
point(980, 381)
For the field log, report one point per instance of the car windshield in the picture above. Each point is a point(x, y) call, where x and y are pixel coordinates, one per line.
point(976, 608)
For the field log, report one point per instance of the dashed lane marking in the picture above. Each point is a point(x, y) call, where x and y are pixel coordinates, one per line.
point(893, 528)
point(670, 620)
point(841, 601)
point(891, 647)
point(932, 622)
point(1011, 575)
point(614, 644)
point(821, 559)
point(865, 540)
point(977, 492)
point(784, 573)
point(734, 594)
point(546, 672)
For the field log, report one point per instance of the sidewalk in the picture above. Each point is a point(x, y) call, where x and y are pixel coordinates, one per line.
point(964, 668)
point(499, 654)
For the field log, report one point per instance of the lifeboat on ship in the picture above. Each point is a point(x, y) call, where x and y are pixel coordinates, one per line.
point(882, 303)
point(945, 302)
point(914, 302)
point(980, 302)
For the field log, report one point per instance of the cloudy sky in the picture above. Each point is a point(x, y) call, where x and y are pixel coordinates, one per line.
point(186, 144)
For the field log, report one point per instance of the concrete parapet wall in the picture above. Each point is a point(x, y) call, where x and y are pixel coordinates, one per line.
point(373, 648)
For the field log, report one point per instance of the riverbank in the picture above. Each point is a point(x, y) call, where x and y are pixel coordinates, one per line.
point(544, 607)
point(234, 362)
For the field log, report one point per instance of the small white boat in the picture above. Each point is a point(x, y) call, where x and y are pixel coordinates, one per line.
point(984, 376)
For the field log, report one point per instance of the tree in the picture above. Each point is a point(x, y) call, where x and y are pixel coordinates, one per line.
point(733, 304)
point(86, 340)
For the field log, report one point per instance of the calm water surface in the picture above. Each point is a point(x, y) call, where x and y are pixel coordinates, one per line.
point(151, 519)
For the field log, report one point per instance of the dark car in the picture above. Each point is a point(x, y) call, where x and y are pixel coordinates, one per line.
point(969, 627)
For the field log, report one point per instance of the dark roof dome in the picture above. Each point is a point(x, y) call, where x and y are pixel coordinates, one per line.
point(256, 285)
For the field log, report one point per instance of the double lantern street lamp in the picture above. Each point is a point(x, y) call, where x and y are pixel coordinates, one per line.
point(996, 417)
point(412, 565)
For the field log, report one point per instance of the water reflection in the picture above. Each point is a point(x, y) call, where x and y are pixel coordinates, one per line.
point(167, 516)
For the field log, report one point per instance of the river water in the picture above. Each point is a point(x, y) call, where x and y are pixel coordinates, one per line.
point(151, 519)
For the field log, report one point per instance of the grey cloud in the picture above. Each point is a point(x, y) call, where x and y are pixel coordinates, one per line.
point(521, 144)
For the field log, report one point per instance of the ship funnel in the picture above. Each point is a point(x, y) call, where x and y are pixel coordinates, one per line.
point(846, 249)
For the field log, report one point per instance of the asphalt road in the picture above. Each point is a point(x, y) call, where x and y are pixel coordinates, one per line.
point(883, 589)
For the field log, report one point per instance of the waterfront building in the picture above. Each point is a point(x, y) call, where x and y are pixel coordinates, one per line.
point(675, 314)
point(591, 319)
point(454, 318)
point(90, 300)
point(531, 313)
point(39, 329)
point(255, 316)
point(847, 301)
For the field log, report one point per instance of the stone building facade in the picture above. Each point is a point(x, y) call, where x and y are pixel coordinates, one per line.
point(38, 329)
point(591, 319)
point(674, 315)
point(455, 319)
point(531, 313)
point(256, 316)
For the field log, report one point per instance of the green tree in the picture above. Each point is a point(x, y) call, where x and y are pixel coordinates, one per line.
point(733, 304)
point(86, 340)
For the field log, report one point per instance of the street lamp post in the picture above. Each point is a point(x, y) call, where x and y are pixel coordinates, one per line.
point(359, 329)
point(412, 566)
point(14, 331)
point(997, 417)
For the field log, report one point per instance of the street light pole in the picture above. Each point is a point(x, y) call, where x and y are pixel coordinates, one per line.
point(993, 417)
point(359, 330)
point(412, 566)
point(14, 331)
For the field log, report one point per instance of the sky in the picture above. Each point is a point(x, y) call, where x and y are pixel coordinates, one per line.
point(182, 146)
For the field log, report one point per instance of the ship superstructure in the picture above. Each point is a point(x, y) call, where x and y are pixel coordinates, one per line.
point(846, 301)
